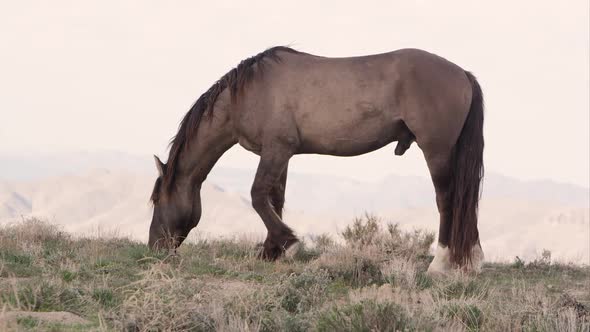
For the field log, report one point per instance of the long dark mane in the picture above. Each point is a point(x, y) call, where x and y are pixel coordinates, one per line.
point(236, 80)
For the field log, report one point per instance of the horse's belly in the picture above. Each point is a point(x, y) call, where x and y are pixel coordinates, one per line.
point(342, 138)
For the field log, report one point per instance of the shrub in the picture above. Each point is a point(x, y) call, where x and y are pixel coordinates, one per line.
point(161, 300)
point(323, 242)
point(305, 254)
point(363, 231)
point(355, 267)
point(302, 292)
point(410, 245)
point(518, 263)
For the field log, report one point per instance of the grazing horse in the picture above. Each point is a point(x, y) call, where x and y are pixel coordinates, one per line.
point(282, 102)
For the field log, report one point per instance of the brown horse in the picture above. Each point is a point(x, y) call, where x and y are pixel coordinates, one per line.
point(282, 102)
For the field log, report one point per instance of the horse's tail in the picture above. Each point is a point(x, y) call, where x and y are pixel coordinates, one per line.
point(467, 173)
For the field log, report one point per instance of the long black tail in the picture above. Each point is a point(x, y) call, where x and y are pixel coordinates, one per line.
point(467, 162)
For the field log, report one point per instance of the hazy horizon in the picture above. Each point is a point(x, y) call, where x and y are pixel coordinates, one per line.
point(82, 167)
point(112, 75)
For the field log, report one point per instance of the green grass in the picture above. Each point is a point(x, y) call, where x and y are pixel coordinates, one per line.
point(28, 322)
point(366, 316)
point(374, 281)
point(17, 264)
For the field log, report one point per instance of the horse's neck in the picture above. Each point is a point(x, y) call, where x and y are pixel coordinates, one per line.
point(212, 139)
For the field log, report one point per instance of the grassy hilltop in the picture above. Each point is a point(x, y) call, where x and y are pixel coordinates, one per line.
point(374, 281)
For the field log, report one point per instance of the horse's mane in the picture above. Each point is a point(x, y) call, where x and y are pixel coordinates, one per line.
point(236, 79)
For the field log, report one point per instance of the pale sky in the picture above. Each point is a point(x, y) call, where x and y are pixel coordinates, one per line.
point(119, 75)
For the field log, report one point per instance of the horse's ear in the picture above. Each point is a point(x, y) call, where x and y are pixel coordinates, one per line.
point(160, 166)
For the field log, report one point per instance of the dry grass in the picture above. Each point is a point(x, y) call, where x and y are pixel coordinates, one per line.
point(374, 281)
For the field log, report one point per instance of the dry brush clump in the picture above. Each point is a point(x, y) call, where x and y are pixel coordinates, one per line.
point(161, 300)
point(371, 255)
point(372, 280)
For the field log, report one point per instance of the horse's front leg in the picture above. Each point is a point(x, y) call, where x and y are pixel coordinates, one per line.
point(277, 193)
point(271, 171)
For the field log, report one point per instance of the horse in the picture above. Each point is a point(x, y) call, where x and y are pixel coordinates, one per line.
point(282, 102)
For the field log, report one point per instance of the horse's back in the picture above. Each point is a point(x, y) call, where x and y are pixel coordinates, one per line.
point(386, 80)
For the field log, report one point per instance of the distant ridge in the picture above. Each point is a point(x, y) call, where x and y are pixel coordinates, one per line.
point(517, 218)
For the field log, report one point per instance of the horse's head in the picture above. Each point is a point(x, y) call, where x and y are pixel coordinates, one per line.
point(176, 211)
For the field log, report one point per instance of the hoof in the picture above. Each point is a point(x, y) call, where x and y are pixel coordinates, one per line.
point(442, 266)
point(269, 254)
point(272, 250)
point(477, 258)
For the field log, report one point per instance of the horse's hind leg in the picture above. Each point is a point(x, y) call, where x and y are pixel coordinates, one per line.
point(441, 171)
point(439, 165)
point(272, 167)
